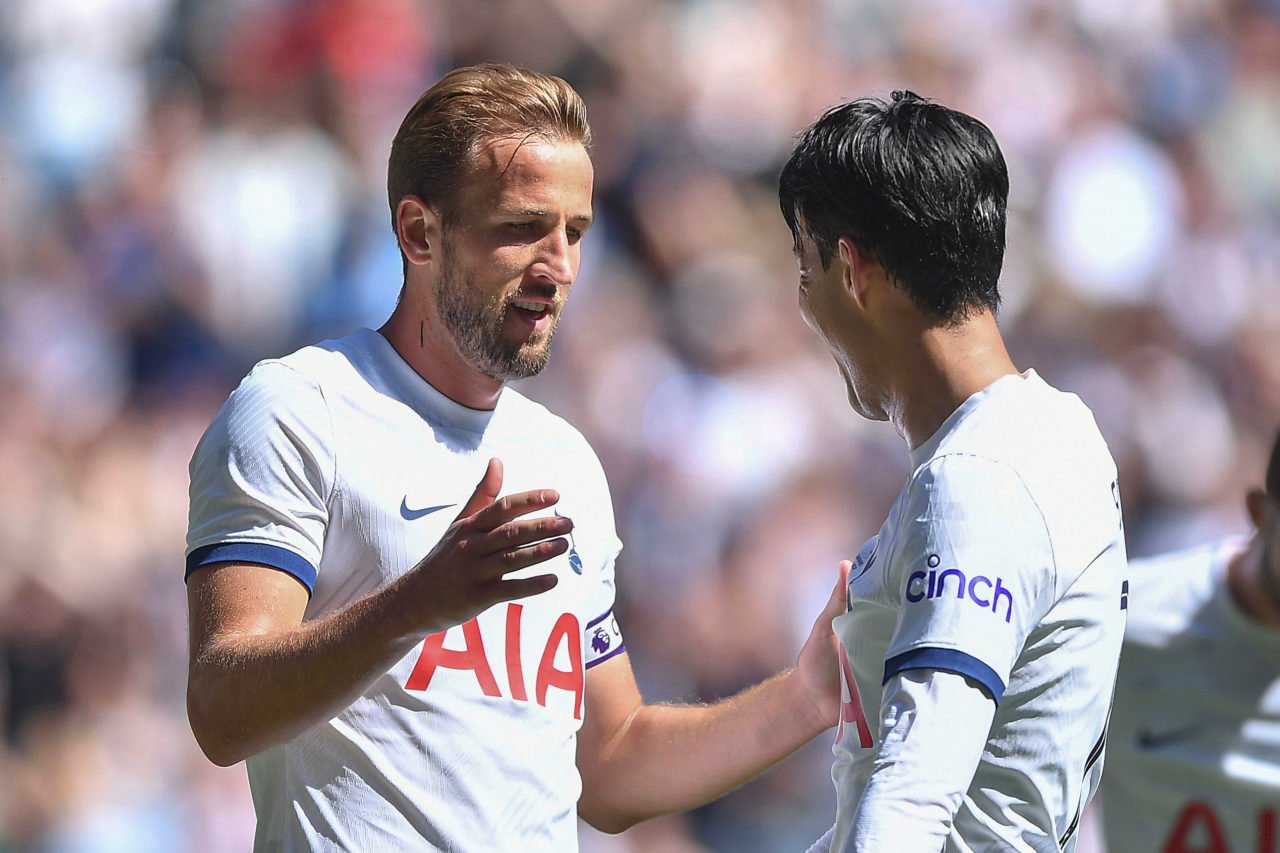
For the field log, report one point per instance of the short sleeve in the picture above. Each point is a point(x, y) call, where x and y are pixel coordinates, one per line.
point(974, 572)
point(262, 475)
point(602, 635)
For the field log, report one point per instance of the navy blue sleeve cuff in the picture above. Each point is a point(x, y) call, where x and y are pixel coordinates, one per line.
point(272, 556)
point(947, 660)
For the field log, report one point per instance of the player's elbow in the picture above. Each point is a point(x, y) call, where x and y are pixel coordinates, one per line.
point(220, 754)
point(215, 745)
point(212, 733)
point(214, 742)
point(609, 821)
point(607, 815)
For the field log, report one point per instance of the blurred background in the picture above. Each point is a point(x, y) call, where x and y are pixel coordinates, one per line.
point(187, 187)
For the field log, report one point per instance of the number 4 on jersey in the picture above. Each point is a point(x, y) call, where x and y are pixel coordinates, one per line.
point(851, 704)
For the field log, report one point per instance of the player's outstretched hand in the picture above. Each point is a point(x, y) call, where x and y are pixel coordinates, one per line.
point(819, 663)
point(466, 572)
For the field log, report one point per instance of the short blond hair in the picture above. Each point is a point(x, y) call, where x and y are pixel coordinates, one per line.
point(437, 142)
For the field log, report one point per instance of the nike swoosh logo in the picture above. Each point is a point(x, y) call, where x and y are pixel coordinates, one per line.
point(1148, 740)
point(414, 514)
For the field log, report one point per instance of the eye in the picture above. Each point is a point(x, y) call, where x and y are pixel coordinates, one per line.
point(575, 234)
point(520, 226)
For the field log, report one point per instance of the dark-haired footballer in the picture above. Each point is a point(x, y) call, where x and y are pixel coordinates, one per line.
point(983, 623)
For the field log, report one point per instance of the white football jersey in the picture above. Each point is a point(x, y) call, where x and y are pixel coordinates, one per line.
point(339, 465)
point(1195, 738)
point(1003, 560)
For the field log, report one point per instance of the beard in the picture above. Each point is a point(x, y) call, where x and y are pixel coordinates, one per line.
point(477, 323)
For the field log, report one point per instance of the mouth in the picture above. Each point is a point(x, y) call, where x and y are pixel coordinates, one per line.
point(537, 314)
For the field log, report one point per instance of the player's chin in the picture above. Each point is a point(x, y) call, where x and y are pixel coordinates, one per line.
point(532, 343)
point(527, 359)
point(864, 407)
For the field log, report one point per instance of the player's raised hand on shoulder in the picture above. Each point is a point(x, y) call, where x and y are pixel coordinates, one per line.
point(819, 663)
point(466, 572)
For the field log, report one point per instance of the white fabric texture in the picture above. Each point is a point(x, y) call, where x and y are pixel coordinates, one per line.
point(934, 726)
point(1194, 758)
point(340, 465)
point(1002, 561)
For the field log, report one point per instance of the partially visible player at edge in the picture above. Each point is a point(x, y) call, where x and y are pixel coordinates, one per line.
point(336, 523)
point(1195, 764)
point(984, 621)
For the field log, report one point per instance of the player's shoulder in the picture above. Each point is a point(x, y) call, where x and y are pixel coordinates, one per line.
point(271, 391)
point(332, 360)
point(972, 503)
point(301, 385)
point(311, 365)
point(278, 414)
point(1027, 422)
point(1164, 578)
point(1047, 438)
point(1169, 592)
point(956, 475)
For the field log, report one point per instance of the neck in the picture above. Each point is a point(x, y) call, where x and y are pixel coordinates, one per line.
point(415, 331)
point(1253, 587)
point(940, 368)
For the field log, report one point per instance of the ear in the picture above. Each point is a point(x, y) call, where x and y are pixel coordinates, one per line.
point(853, 271)
point(1255, 503)
point(418, 229)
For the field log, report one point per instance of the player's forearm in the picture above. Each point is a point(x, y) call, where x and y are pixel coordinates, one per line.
point(670, 758)
point(247, 693)
point(933, 728)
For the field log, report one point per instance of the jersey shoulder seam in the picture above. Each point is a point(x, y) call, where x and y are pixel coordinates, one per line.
point(1000, 463)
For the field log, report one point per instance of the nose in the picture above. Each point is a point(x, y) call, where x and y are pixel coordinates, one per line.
point(555, 261)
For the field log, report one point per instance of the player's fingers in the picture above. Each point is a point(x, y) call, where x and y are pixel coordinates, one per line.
point(524, 531)
point(486, 490)
point(525, 587)
point(836, 603)
point(513, 506)
point(514, 559)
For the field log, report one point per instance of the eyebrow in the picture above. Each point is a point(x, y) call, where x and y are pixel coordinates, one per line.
point(540, 212)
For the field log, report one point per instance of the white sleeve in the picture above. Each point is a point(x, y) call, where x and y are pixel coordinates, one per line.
point(823, 844)
point(594, 548)
point(934, 727)
point(974, 574)
point(262, 476)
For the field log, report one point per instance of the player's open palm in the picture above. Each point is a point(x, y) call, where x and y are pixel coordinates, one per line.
point(467, 571)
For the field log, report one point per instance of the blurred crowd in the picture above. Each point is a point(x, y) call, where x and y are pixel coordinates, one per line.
point(188, 186)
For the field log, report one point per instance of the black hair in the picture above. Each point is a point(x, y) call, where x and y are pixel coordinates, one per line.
point(919, 187)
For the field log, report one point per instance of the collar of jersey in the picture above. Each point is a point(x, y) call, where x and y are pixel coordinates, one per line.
point(423, 396)
point(926, 451)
